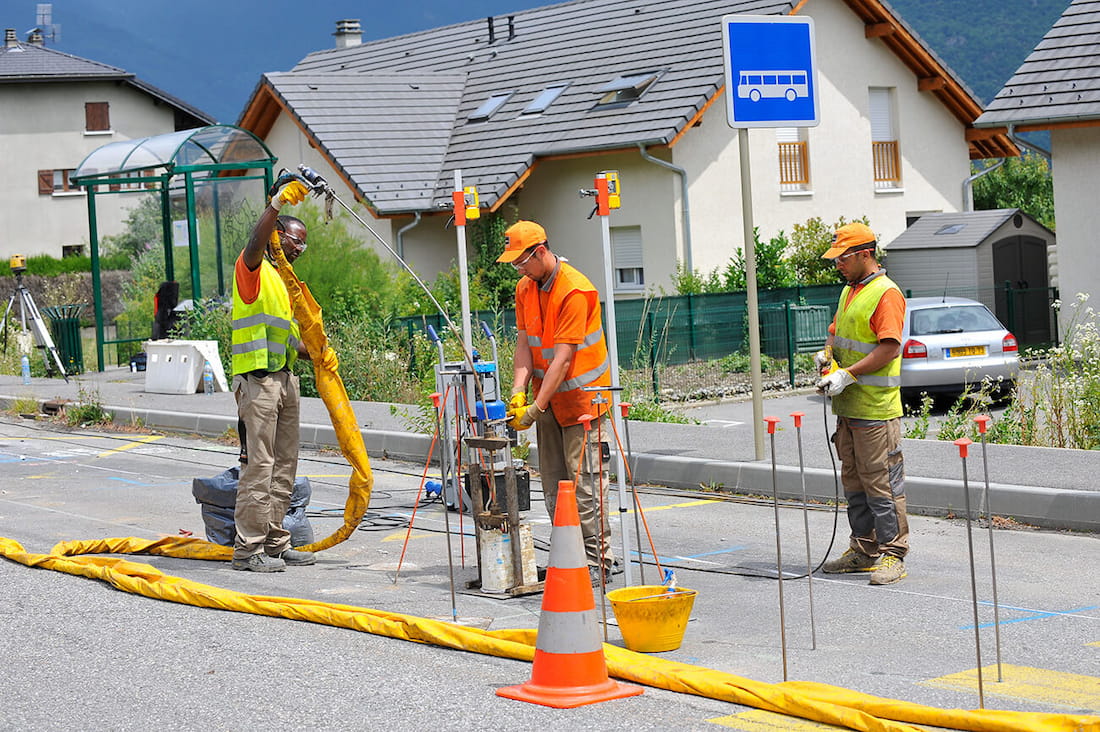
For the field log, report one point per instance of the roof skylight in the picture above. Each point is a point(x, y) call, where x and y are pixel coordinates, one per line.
point(544, 99)
point(624, 89)
point(489, 106)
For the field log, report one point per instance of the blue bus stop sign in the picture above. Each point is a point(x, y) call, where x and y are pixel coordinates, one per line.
point(771, 75)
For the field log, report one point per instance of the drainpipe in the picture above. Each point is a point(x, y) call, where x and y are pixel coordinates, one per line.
point(968, 184)
point(1024, 143)
point(401, 235)
point(689, 267)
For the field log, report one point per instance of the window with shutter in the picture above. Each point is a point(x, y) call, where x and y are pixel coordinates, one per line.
point(884, 138)
point(626, 254)
point(97, 117)
point(45, 182)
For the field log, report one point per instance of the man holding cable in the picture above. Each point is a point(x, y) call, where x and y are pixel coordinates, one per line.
point(265, 347)
point(560, 350)
point(865, 386)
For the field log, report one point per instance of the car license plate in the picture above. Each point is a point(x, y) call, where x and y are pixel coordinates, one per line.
point(963, 351)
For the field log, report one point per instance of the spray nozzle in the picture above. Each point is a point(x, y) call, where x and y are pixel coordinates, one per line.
point(315, 180)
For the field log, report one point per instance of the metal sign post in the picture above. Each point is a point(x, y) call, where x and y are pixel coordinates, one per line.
point(459, 199)
point(771, 81)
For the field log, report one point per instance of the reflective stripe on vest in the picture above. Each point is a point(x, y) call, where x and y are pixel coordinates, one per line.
point(875, 395)
point(264, 332)
point(591, 365)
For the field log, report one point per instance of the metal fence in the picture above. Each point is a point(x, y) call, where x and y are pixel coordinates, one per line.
point(692, 346)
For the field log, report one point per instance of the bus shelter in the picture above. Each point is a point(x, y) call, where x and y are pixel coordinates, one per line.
point(187, 166)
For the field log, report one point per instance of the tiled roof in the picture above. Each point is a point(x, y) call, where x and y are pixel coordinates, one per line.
point(1060, 81)
point(951, 230)
point(31, 63)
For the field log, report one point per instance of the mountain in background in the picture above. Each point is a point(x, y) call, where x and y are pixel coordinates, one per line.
point(211, 53)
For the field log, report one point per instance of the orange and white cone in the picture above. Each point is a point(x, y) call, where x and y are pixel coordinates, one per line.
point(569, 669)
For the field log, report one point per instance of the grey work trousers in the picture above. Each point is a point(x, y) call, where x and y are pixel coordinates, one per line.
point(559, 456)
point(270, 406)
point(873, 475)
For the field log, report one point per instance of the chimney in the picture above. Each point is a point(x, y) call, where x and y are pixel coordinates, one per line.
point(511, 27)
point(10, 39)
point(35, 38)
point(492, 31)
point(348, 33)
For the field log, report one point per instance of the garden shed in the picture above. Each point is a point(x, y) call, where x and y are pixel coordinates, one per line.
point(1001, 257)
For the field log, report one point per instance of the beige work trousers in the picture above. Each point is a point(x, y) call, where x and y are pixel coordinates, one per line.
point(559, 455)
point(270, 408)
point(873, 475)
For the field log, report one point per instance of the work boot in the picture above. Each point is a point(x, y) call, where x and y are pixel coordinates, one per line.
point(850, 561)
point(594, 575)
point(295, 558)
point(259, 562)
point(890, 570)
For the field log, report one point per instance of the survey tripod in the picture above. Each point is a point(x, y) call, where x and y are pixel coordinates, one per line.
point(30, 315)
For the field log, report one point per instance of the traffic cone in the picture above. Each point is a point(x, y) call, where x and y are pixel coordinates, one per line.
point(569, 669)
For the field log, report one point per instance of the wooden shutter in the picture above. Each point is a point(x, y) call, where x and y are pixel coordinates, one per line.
point(45, 182)
point(97, 116)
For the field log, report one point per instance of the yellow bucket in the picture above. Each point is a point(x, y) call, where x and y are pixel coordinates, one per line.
point(650, 618)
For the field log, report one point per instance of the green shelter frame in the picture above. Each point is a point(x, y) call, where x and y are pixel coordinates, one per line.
point(165, 163)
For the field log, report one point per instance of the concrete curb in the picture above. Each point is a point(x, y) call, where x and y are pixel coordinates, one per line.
point(1050, 508)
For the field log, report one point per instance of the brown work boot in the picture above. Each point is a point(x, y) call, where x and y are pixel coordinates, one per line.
point(889, 570)
point(850, 561)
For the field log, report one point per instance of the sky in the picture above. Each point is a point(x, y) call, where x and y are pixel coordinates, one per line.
point(211, 53)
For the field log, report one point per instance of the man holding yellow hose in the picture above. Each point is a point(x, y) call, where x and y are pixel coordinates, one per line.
point(265, 347)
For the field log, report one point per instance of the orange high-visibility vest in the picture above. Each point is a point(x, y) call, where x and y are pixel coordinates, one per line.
point(590, 367)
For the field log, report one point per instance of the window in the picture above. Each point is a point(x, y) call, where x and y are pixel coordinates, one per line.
point(72, 250)
point(884, 139)
point(488, 107)
point(626, 253)
point(545, 99)
point(794, 159)
point(950, 229)
point(97, 117)
point(625, 89)
point(55, 181)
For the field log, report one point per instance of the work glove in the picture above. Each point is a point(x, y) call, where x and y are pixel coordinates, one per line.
point(518, 401)
point(524, 417)
point(822, 359)
point(293, 193)
point(329, 362)
point(835, 382)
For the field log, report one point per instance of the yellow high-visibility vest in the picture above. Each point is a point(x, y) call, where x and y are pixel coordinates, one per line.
point(265, 336)
point(876, 395)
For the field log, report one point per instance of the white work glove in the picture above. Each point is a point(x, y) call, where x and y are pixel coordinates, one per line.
point(835, 382)
point(293, 193)
point(822, 359)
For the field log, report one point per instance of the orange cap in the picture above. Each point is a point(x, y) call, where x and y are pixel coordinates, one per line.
point(850, 236)
point(520, 237)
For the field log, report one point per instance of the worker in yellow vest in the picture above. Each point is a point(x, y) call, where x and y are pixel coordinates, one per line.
point(560, 350)
point(865, 386)
point(265, 347)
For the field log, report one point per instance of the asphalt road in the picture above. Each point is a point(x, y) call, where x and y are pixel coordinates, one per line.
point(80, 655)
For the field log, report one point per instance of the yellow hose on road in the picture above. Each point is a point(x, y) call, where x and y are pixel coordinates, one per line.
point(818, 702)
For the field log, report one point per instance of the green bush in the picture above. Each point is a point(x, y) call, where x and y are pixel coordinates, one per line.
point(43, 264)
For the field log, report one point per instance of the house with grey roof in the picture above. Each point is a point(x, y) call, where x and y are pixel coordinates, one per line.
point(529, 107)
point(1057, 88)
point(55, 109)
point(1000, 257)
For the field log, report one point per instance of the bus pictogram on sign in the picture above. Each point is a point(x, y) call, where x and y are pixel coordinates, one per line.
point(757, 85)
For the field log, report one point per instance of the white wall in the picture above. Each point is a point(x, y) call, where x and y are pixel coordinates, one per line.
point(42, 127)
point(1076, 165)
point(934, 152)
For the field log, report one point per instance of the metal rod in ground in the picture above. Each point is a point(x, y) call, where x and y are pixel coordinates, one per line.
point(772, 421)
point(963, 443)
point(983, 424)
point(806, 526)
point(446, 521)
point(634, 495)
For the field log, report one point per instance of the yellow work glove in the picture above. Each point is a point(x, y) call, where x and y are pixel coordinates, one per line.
point(518, 401)
point(329, 362)
point(523, 418)
point(293, 193)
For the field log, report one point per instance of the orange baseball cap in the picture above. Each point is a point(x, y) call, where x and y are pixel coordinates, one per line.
point(520, 237)
point(850, 237)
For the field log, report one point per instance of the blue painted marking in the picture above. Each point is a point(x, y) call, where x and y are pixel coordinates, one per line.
point(690, 556)
point(132, 482)
point(1036, 616)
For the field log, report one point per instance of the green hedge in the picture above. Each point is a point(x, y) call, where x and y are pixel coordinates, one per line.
point(44, 264)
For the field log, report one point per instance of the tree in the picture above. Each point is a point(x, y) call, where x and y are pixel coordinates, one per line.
point(1024, 183)
point(808, 242)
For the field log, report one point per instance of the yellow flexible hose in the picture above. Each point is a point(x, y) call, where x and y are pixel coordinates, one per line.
point(813, 701)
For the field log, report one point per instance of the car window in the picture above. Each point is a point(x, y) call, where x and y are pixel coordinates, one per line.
point(931, 321)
